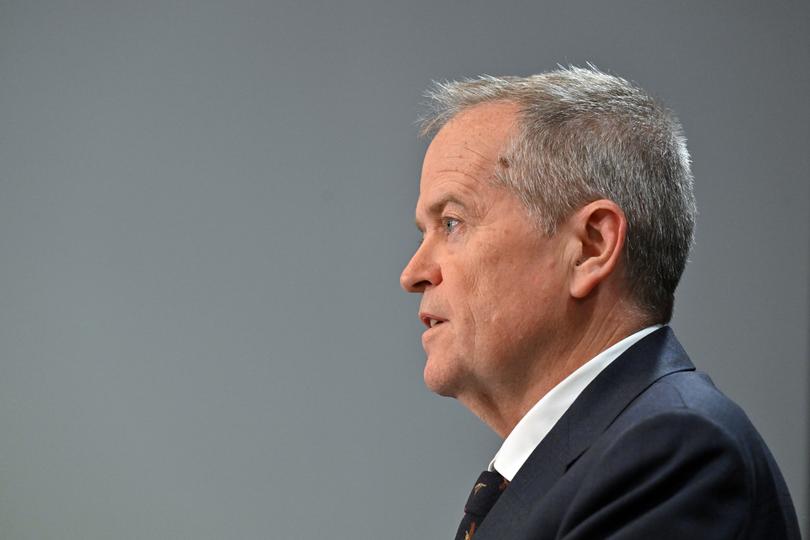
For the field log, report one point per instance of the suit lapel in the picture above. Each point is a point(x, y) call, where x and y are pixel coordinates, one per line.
point(653, 357)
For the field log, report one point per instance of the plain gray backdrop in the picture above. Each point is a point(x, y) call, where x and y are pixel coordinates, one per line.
point(204, 210)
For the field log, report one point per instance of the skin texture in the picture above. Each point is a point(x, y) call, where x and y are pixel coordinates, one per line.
point(520, 310)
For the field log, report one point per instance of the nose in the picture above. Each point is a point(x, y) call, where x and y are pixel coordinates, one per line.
point(422, 271)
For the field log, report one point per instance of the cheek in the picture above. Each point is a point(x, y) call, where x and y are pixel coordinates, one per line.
point(485, 288)
point(512, 298)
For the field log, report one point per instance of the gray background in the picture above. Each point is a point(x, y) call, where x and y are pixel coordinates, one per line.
point(204, 209)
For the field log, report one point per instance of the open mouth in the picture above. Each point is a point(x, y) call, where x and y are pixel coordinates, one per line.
point(431, 321)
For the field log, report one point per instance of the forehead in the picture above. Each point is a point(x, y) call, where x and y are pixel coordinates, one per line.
point(464, 153)
point(472, 140)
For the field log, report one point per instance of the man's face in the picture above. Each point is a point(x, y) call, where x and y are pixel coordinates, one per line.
point(492, 285)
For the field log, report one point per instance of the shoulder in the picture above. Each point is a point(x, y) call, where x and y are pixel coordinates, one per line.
point(683, 418)
point(691, 397)
point(686, 410)
point(674, 469)
point(681, 454)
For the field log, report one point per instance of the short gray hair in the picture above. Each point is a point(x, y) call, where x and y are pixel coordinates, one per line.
point(585, 135)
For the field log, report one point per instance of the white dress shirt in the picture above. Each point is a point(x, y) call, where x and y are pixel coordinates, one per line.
point(535, 425)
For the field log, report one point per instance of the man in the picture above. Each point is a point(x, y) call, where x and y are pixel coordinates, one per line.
point(557, 215)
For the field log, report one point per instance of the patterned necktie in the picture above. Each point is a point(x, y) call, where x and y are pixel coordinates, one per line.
point(485, 492)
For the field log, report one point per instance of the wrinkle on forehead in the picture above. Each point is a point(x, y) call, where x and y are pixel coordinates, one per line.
point(460, 159)
point(472, 142)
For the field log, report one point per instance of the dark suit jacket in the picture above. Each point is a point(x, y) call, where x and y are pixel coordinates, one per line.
point(650, 450)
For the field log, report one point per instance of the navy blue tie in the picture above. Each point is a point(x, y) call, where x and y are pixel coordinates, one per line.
point(485, 492)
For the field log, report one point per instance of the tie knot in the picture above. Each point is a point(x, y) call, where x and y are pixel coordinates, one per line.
point(485, 492)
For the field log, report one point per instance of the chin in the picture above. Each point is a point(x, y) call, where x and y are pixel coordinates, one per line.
point(441, 379)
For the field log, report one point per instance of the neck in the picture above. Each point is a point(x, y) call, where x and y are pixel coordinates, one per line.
point(503, 405)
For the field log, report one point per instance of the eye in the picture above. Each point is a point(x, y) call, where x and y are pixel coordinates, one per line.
point(450, 224)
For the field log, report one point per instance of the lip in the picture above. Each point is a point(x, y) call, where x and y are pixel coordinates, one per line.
point(426, 317)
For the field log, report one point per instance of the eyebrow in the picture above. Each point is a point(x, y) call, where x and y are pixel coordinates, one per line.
point(437, 206)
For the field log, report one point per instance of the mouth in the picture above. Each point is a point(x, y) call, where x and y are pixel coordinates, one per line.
point(430, 320)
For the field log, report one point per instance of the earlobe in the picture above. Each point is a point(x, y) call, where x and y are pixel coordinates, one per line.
point(599, 228)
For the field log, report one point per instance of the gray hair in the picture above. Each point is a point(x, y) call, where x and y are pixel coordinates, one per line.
point(585, 135)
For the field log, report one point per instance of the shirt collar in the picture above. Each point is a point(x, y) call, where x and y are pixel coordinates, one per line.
point(535, 424)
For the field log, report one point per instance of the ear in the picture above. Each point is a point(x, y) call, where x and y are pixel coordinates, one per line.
point(598, 234)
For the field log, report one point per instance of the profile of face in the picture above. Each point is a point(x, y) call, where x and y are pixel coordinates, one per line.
point(492, 285)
